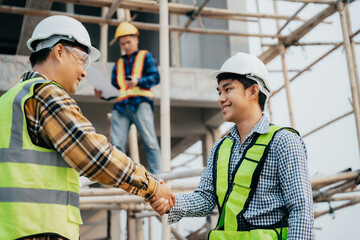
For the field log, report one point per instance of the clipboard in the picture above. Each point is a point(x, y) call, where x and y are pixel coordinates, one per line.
point(99, 82)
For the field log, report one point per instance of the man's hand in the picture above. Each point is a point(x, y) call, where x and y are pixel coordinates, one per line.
point(163, 200)
point(133, 82)
point(161, 206)
point(98, 93)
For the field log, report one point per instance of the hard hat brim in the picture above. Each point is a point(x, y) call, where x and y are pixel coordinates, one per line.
point(213, 75)
point(94, 54)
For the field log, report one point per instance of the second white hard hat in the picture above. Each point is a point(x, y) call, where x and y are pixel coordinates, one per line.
point(248, 65)
point(52, 29)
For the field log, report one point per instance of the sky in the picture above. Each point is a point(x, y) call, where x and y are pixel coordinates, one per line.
point(318, 96)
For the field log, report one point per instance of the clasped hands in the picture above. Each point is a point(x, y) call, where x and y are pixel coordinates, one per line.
point(163, 200)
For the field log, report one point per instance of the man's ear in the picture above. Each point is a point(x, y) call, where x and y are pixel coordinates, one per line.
point(58, 52)
point(254, 91)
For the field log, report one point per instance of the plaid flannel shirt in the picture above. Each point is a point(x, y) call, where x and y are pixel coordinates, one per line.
point(284, 182)
point(55, 121)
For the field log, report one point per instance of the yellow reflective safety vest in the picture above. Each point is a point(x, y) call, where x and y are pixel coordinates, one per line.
point(39, 191)
point(232, 203)
point(137, 70)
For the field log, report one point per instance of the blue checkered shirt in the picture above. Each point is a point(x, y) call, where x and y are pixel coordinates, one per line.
point(284, 182)
point(150, 77)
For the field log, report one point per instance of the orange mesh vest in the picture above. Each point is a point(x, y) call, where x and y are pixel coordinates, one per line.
point(125, 90)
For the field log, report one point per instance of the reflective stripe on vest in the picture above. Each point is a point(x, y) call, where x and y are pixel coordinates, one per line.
point(39, 191)
point(125, 91)
point(233, 203)
point(256, 234)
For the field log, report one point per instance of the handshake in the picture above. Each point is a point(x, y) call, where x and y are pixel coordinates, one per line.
point(163, 200)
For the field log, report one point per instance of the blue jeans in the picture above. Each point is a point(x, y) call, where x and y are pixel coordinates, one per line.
point(143, 119)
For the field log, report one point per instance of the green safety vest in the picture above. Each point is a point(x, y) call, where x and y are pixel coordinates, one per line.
point(137, 70)
point(39, 191)
point(234, 203)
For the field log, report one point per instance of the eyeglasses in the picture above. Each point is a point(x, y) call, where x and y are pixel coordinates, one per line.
point(81, 57)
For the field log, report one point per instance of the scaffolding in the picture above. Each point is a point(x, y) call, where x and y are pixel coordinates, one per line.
point(325, 189)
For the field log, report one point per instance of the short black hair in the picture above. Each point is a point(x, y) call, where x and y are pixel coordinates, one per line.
point(246, 82)
point(41, 55)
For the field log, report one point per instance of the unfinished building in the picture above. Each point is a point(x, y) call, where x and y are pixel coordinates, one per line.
point(190, 39)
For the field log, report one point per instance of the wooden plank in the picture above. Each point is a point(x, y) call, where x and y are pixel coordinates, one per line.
point(329, 179)
point(114, 6)
point(176, 8)
point(315, 62)
point(139, 25)
point(195, 14)
point(292, 17)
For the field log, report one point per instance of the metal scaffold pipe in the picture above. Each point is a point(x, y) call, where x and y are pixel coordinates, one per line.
point(165, 87)
point(351, 68)
point(285, 71)
point(165, 100)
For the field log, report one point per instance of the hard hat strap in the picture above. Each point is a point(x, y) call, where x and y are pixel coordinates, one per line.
point(261, 83)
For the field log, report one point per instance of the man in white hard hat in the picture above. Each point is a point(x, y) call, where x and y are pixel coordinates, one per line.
point(257, 174)
point(134, 74)
point(46, 143)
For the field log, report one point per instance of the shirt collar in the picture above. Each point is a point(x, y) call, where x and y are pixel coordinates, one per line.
point(261, 127)
point(132, 55)
point(32, 74)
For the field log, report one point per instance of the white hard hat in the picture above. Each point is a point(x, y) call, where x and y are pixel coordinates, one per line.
point(52, 29)
point(250, 66)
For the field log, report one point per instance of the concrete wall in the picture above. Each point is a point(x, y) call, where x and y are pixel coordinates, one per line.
point(238, 44)
point(204, 51)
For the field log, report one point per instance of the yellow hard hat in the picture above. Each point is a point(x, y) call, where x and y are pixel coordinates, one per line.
point(125, 29)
